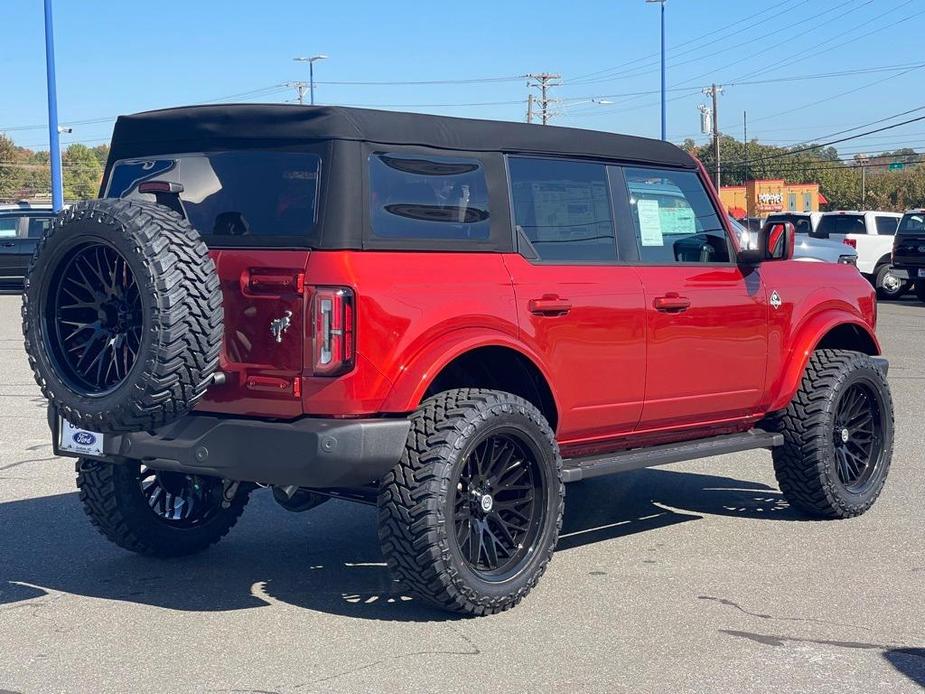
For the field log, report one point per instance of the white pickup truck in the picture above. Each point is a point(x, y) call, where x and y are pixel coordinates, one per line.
point(871, 234)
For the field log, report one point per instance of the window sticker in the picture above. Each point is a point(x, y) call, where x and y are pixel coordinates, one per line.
point(650, 223)
point(677, 220)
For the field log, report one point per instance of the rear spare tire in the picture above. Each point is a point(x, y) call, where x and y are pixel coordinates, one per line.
point(122, 315)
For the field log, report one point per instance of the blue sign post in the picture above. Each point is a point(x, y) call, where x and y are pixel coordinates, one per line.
point(54, 143)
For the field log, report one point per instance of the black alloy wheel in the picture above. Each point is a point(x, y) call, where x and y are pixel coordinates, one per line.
point(182, 501)
point(857, 436)
point(469, 517)
point(157, 512)
point(498, 505)
point(94, 318)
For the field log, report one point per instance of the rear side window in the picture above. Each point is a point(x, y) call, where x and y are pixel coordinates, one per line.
point(886, 226)
point(674, 219)
point(242, 196)
point(913, 223)
point(435, 198)
point(8, 227)
point(840, 224)
point(562, 209)
point(37, 226)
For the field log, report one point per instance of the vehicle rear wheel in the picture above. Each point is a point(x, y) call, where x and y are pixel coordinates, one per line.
point(158, 513)
point(470, 516)
point(122, 315)
point(887, 284)
point(838, 436)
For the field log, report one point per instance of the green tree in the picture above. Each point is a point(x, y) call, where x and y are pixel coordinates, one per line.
point(82, 172)
point(11, 173)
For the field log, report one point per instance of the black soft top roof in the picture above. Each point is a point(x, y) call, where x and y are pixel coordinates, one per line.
point(203, 128)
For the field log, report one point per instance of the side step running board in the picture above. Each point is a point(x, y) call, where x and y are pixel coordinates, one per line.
point(576, 469)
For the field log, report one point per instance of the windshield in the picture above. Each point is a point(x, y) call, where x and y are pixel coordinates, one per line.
point(246, 193)
point(912, 223)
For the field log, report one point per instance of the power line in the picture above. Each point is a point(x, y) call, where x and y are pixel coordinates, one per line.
point(820, 145)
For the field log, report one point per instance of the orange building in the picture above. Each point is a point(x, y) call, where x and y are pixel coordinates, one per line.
point(763, 197)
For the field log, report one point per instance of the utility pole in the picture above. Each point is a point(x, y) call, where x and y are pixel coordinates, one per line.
point(544, 81)
point(530, 107)
point(664, 88)
point(863, 159)
point(300, 90)
point(54, 140)
point(713, 92)
point(745, 138)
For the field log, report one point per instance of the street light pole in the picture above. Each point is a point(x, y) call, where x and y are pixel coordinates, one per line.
point(54, 141)
point(664, 85)
point(311, 73)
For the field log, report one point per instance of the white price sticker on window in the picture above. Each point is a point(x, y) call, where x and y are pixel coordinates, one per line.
point(650, 223)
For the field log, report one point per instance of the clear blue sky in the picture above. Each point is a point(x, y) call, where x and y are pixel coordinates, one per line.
point(121, 57)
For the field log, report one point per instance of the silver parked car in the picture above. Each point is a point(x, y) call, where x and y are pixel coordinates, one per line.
point(807, 248)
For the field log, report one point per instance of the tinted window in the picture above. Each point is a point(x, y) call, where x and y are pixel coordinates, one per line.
point(563, 209)
point(801, 223)
point(886, 226)
point(841, 224)
point(428, 197)
point(243, 193)
point(674, 219)
point(8, 226)
point(37, 226)
point(912, 224)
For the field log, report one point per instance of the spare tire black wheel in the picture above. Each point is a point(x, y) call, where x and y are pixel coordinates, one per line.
point(122, 315)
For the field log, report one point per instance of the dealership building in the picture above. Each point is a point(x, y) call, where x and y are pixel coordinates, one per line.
point(766, 196)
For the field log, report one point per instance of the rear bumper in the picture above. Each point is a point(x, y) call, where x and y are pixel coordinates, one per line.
point(308, 452)
point(908, 272)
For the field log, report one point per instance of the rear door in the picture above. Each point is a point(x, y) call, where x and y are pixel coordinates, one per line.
point(706, 319)
point(577, 305)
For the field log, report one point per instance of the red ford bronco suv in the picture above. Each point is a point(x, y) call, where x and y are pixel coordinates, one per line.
point(448, 318)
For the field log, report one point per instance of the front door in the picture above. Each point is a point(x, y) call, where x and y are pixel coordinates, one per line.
point(577, 306)
point(706, 318)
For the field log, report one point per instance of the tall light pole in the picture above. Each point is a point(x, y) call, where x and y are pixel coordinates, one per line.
point(311, 73)
point(54, 141)
point(664, 107)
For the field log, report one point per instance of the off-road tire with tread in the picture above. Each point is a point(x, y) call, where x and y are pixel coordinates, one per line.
point(112, 497)
point(181, 305)
point(415, 512)
point(805, 464)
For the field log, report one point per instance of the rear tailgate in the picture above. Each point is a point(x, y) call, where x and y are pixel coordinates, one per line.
point(262, 370)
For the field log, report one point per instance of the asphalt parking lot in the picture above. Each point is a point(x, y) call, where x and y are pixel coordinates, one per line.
point(691, 578)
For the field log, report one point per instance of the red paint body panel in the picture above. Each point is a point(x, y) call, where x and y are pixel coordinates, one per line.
point(633, 355)
point(596, 350)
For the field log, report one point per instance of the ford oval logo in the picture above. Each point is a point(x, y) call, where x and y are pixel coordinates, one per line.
point(84, 438)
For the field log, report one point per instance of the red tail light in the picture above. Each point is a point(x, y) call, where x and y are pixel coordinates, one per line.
point(333, 335)
point(850, 242)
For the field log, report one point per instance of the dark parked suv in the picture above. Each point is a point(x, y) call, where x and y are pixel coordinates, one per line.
point(909, 250)
point(21, 227)
point(447, 318)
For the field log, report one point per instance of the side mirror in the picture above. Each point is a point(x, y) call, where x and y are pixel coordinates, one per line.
point(775, 241)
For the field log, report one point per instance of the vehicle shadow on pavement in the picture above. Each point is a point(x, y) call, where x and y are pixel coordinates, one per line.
point(326, 560)
point(909, 661)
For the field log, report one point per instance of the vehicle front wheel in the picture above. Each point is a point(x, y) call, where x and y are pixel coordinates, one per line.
point(838, 436)
point(887, 284)
point(158, 513)
point(470, 516)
